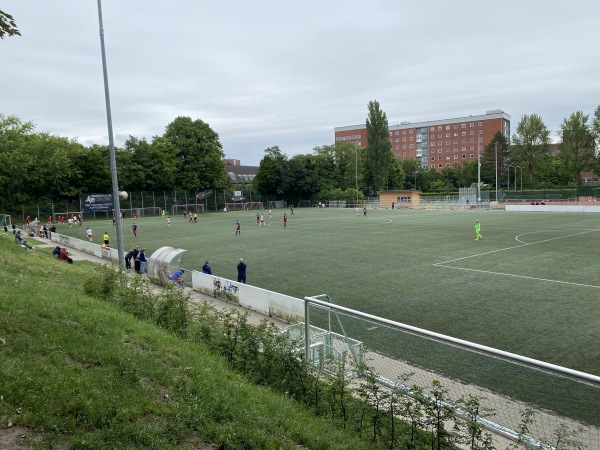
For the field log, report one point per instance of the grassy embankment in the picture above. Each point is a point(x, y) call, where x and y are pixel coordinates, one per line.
point(79, 372)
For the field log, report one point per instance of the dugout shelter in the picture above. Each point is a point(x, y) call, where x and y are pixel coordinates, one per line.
point(405, 198)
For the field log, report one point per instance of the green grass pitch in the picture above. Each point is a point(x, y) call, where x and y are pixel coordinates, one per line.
point(529, 287)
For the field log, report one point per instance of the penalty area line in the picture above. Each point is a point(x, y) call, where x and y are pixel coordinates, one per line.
point(520, 276)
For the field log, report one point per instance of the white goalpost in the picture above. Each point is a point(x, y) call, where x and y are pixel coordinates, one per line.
point(253, 206)
point(235, 206)
point(276, 204)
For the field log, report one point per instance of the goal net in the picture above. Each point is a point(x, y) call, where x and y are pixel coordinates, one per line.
point(337, 204)
point(253, 206)
point(141, 212)
point(194, 208)
point(5, 220)
point(235, 206)
point(277, 204)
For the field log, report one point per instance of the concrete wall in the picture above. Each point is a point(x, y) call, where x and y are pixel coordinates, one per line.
point(553, 208)
point(266, 302)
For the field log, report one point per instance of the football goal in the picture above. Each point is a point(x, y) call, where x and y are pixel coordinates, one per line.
point(5, 220)
point(276, 204)
point(142, 212)
point(239, 206)
point(253, 206)
point(194, 208)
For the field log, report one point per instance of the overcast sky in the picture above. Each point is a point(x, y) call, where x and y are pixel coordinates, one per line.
point(266, 73)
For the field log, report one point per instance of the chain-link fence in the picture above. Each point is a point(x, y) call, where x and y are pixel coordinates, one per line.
point(518, 398)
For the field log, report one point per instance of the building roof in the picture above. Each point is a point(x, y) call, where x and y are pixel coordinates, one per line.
point(241, 174)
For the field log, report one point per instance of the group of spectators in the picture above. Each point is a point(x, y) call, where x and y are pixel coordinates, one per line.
point(139, 260)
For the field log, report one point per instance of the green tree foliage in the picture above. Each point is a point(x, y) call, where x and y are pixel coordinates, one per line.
point(530, 145)
point(577, 149)
point(16, 159)
point(496, 154)
point(378, 153)
point(8, 27)
point(199, 153)
point(273, 176)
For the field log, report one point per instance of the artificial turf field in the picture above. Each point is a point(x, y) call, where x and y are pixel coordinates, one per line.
point(529, 287)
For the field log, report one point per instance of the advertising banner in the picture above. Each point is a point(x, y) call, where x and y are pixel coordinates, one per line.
point(96, 202)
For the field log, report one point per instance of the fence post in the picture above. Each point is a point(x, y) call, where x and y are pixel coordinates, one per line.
point(306, 332)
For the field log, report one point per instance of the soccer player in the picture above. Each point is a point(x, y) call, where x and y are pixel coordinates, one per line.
point(284, 220)
point(134, 229)
point(262, 220)
point(270, 213)
point(237, 227)
point(105, 238)
point(258, 219)
point(478, 231)
point(169, 221)
point(365, 213)
point(88, 233)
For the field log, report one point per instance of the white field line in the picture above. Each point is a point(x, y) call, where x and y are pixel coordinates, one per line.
point(444, 263)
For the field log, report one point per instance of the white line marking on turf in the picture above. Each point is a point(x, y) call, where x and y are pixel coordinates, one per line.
point(520, 276)
point(443, 264)
point(515, 246)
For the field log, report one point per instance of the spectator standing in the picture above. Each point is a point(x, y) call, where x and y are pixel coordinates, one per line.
point(106, 239)
point(241, 269)
point(142, 258)
point(206, 268)
point(128, 258)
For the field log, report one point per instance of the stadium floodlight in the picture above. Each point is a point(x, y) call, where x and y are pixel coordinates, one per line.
point(111, 146)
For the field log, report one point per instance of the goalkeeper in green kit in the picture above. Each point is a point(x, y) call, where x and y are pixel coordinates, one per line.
point(478, 231)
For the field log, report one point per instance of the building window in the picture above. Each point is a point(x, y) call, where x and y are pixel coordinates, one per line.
point(464, 156)
point(472, 147)
point(403, 145)
point(397, 132)
point(455, 156)
point(447, 149)
point(411, 153)
point(447, 158)
point(403, 139)
point(403, 153)
point(447, 142)
point(480, 132)
point(455, 126)
point(472, 140)
point(447, 164)
point(432, 144)
point(472, 124)
point(433, 158)
point(440, 136)
point(390, 133)
point(447, 134)
point(464, 133)
point(439, 150)
point(439, 165)
point(463, 125)
point(455, 141)
point(432, 128)
point(411, 139)
point(411, 146)
point(455, 149)
point(397, 139)
point(463, 141)
point(397, 147)
point(440, 158)
point(479, 124)
point(464, 149)
point(480, 140)
point(447, 127)
point(411, 131)
point(439, 143)
point(472, 156)
point(439, 128)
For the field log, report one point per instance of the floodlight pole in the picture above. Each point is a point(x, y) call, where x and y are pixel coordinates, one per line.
point(496, 148)
point(478, 176)
point(356, 170)
point(111, 146)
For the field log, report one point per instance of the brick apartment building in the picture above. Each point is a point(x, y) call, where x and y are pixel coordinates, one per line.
point(437, 144)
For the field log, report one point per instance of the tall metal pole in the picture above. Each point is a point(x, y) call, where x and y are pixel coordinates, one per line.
point(508, 176)
point(111, 146)
point(521, 178)
point(356, 169)
point(478, 176)
point(496, 148)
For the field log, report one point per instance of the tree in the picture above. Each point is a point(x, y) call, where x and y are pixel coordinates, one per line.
point(530, 145)
point(199, 153)
point(273, 175)
point(577, 149)
point(494, 156)
point(378, 153)
point(8, 27)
